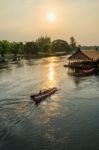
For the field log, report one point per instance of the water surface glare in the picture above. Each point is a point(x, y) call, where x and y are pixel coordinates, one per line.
point(68, 120)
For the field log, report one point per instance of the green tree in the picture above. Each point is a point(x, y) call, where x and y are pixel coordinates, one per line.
point(73, 43)
point(60, 46)
point(20, 48)
point(43, 44)
point(30, 48)
point(16, 48)
point(4, 48)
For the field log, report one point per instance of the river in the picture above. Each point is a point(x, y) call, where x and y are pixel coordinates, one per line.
point(67, 120)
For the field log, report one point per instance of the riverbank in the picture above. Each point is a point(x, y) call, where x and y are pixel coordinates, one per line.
point(11, 58)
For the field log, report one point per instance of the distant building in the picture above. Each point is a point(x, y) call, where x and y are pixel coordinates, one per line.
point(84, 55)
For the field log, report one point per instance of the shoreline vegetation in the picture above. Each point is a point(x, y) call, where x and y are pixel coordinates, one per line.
point(11, 58)
point(42, 47)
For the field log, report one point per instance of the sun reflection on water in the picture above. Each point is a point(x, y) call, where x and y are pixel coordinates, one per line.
point(51, 74)
point(52, 81)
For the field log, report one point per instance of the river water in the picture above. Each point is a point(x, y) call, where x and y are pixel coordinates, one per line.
point(68, 120)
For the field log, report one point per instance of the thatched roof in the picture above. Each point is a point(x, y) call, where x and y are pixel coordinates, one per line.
point(84, 55)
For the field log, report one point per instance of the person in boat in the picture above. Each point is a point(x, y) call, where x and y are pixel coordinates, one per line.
point(40, 92)
point(46, 90)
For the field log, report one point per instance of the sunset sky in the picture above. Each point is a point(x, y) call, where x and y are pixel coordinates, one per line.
point(26, 20)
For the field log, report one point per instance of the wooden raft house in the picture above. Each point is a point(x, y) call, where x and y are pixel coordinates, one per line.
point(84, 59)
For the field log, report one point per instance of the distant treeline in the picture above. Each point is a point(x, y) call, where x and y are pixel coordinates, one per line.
point(43, 46)
point(39, 47)
point(89, 47)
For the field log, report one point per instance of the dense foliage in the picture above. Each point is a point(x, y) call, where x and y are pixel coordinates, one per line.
point(73, 43)
point(41, 47)
point(60, 46)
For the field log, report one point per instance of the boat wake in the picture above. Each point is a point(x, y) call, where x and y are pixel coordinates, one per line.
point(13, 112)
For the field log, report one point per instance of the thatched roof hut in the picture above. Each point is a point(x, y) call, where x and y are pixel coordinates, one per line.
point(84, 55)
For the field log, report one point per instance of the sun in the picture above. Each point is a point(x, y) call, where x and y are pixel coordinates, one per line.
point(51, 16)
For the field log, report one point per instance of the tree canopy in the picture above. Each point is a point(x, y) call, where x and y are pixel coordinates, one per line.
point(73, 43)
point(60, 46)
point(41, 46)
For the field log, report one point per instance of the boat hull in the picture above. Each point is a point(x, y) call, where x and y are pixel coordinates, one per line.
point(39, 98)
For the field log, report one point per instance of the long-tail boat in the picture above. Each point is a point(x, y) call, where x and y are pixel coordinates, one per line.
point(43, 94)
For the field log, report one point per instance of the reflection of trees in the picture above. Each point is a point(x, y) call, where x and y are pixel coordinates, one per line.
point(30, 62)
point(19, 64)
point(78, 80)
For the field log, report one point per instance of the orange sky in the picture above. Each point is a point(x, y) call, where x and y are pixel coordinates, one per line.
point(26, 20)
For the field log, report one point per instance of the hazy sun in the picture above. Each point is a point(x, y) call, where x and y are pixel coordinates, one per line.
point(51, 16)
